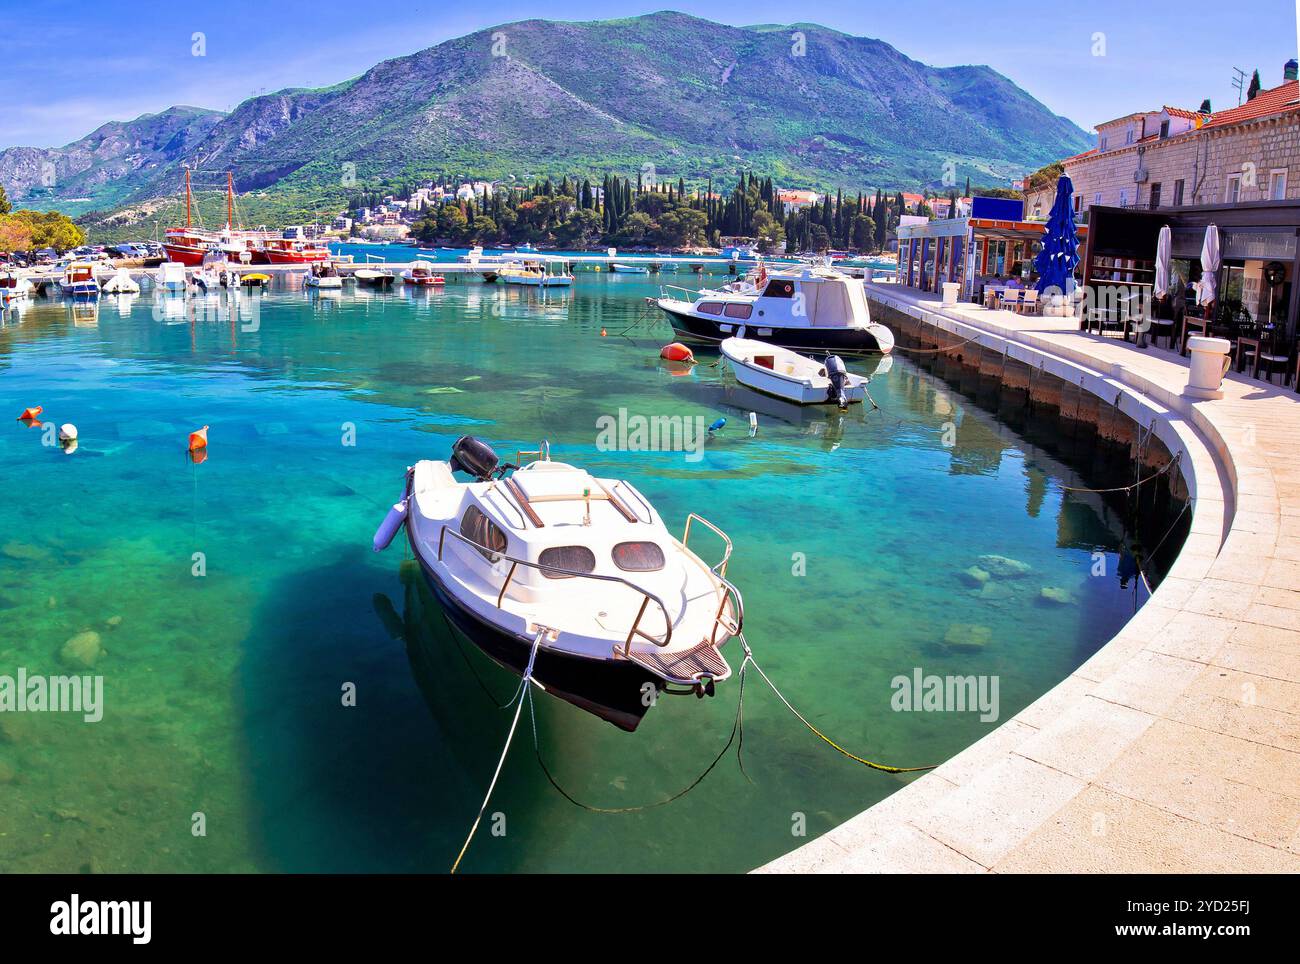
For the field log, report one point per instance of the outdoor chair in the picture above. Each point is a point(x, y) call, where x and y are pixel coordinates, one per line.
point(1011, 299)
point(1248, 347)
point(1030, 303)
point(1273, 357)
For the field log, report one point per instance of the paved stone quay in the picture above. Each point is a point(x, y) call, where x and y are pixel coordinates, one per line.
point(1175, 747)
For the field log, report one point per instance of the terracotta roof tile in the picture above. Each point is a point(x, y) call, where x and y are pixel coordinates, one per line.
point(1266, 102)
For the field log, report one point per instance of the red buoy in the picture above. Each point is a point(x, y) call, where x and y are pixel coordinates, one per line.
point(676, 352)
point(30, 413)
point(199, 439)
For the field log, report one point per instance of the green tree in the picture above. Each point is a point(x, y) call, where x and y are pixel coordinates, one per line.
point(451, 222)
point(5, 206)
point(50, 229)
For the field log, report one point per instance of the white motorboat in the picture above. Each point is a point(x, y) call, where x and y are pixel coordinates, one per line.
point(374, 277)
point(621, 268)
point(121, 284)
point(421, 274)
point(79, 280)
point(803, 307)
point(324, 277)
point(545, 554)
point(785, 374)
point(534, 273)
point(171, 277)
point(14, 287)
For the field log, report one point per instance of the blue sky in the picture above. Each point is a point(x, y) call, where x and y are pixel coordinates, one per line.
point(67, 67)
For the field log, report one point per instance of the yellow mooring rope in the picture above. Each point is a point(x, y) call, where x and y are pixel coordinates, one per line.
point(525, 693)
point(749, 655)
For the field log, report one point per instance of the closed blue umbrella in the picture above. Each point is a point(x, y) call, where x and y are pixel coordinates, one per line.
point(1060, 254)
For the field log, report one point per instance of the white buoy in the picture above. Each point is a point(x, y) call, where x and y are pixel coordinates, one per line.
point(390, 526)
point(67, 432)
point(753, 424)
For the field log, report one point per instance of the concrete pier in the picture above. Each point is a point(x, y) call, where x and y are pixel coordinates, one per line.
point(1176, 747)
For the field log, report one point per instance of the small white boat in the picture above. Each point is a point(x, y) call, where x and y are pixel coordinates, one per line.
point(79, 280)
point(121, 284)
point(629, 268)
point(537, 274)
point(14, 287)
point(796, 378)
point(324, 277)
point(373, 277)
point(171, 277)
point(806, 308)
point(546, 559)
point(421, 274)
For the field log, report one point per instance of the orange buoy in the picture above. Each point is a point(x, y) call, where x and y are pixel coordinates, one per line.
point(30, 413)
point(199, 439)
point(602, 333)
point(676, 352)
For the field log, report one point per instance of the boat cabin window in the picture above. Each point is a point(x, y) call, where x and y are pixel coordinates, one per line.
point(739, 310)
point(710, 307)
point(573, 558)
point(483, 532)
point(779, 289)
point(638, 556)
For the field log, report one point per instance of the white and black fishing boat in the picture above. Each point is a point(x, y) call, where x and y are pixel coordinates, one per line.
point(584, 567)
point(786, 374)
point(808, 307)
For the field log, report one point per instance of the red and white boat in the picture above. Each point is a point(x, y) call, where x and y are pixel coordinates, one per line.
point(294, 251)
point(422, 275)
point(189, 245)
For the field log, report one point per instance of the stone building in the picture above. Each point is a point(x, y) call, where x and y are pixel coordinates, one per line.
point(1173, 157)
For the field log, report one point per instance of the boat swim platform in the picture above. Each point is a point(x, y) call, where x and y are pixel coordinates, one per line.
point(1175, 748)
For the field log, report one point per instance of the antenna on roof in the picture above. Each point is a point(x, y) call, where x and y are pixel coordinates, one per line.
point(1239, 82)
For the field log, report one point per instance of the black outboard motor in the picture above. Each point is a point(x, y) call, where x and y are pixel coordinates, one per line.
point(473, 455)
point(839, 376)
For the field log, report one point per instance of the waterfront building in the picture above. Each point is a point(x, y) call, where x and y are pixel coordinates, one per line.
point(1237, 168)
point(992, 244)
point(1173, 157)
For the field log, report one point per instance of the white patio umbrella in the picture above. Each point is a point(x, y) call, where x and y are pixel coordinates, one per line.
point(1163, 247)
point(1205, 291)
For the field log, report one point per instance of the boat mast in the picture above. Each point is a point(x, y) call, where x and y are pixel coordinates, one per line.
point(230, 200)
point(187, 198)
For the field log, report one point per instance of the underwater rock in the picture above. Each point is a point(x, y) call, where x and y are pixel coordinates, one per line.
point(24, 552)
point(82, 650)
point(112, 622)
point(1004, 567)
point(1056, 596)
point(974, 576)
point(7, 774)
point(967, 637)
point(993, 592)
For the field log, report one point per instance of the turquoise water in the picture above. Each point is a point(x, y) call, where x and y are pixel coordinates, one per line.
point(223, 691)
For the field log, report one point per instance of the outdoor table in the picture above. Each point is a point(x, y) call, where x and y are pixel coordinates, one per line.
point(992, 294)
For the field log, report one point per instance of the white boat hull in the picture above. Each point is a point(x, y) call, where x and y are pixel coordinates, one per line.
point(793, 377)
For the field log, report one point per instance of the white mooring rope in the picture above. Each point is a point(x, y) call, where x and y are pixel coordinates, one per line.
point(523, 687)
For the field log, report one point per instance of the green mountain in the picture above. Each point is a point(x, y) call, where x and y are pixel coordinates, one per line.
point(810, 106)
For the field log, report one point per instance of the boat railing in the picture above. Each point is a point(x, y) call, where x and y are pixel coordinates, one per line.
point(690, 294)
point(543, 453)
point(719, 568)
point(732, 626)
point(497, 556)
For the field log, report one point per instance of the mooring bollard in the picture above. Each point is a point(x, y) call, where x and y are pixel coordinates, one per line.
point(1210, 362)
point(950, 289)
